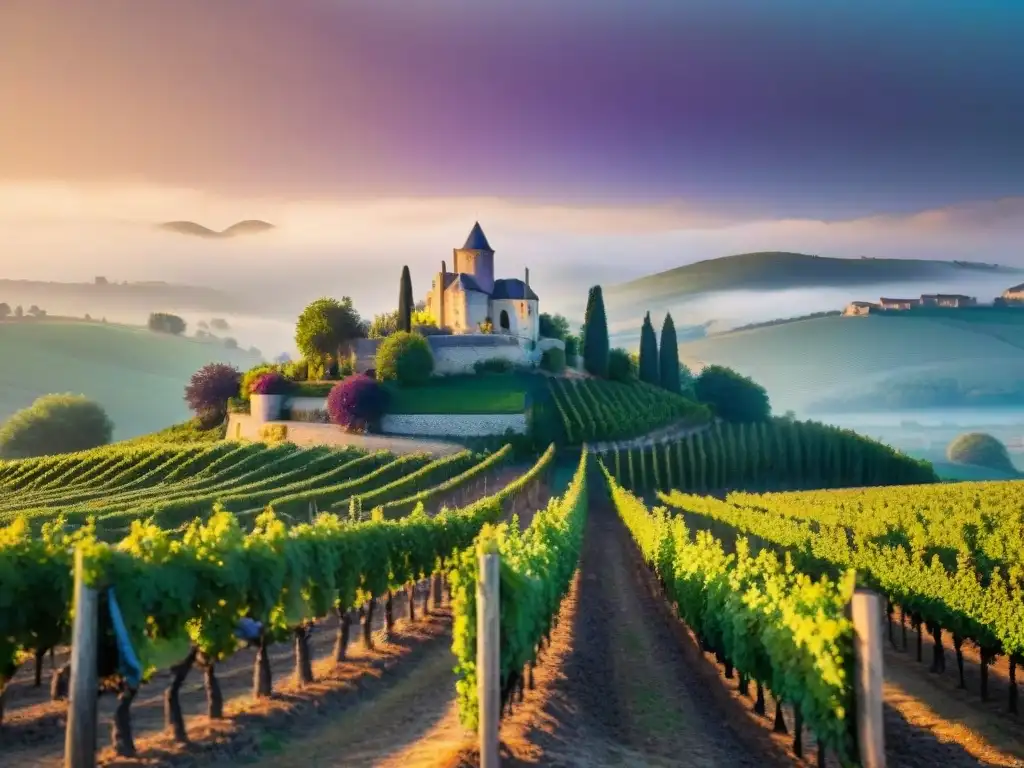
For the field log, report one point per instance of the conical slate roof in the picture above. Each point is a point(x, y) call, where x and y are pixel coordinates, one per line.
point(477, 240)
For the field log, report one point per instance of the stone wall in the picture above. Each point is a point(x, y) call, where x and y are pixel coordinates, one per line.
point(244, 427)
point(461, 425)
point(454, 354)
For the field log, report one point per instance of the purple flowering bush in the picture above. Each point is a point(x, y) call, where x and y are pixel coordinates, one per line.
point(357, 403)
point(271, 383)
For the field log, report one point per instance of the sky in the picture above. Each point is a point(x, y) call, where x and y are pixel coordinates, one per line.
point(609, 138)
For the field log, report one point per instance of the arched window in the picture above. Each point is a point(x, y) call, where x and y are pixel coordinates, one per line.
point(503, 320)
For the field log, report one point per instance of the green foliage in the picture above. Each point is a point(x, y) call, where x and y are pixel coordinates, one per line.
point(669, 368)
point(648, 353)
point(732, 396)
point(572, 347)
point(328, 327)
point(621, 366)
point(595, 335)
point(980, 449)
point(776, 626)
point(405, 358)
point(55, 424)
point(778, 455)
point(251, 376)
point(553, 360)
point(405, 301)
point(924, 548)
point(592, 410)
point(161, 322)
point(536, 569)
point(176, 588)
point(553, 326)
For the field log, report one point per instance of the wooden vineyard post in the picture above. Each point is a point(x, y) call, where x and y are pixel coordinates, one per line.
point(488, 648)
point(866, 610)
point(80, 733)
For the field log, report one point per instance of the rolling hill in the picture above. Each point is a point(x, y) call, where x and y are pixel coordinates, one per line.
point(138, 376)
point(247, 227)
point(773, 270)
point(926, 359)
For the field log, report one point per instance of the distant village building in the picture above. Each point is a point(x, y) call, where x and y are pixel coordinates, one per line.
point(1016, 293)
point(855, 308)
point(947, 300)
point(468, 298)
point(885, 303)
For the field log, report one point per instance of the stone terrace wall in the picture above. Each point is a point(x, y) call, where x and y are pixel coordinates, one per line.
point(244, 427)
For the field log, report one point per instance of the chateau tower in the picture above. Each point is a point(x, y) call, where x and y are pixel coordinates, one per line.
point(476, 258)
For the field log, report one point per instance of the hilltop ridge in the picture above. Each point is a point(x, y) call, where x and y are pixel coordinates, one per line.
point(781, 270)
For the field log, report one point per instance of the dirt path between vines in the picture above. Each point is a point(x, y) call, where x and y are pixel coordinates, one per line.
point(616, 687)
point(415, 723)
point(970, 730)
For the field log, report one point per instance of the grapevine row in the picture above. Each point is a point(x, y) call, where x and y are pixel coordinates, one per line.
point(778, 628)
point(777, 453)
point(537, 566)
point(182, 597)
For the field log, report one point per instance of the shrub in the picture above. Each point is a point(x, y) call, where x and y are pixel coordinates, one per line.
point(553, 360)
point(55, 424)
point(621, 366)
point(271, 383)
point(161, 322)
point(297, 371)
point(732, 396)
point(981, 450)
point(250, 376)
point(405, 358)
point(571, 351)
point(494, 365)
point(210, 389)
point(358, 402)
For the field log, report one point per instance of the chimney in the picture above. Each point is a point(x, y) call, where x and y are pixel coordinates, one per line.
point(444, 267)
point(527, 277)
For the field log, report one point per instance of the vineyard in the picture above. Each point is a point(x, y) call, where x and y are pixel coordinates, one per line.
point(171, 485)
point(948, 557)
point(774, 455)
point(630, 633)
point(595, 410)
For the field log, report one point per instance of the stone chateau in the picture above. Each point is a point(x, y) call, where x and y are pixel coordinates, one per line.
point(468, 297)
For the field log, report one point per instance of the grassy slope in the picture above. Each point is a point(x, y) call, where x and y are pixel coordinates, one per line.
point(138, 376)
point(804, 361)
point(780, 270)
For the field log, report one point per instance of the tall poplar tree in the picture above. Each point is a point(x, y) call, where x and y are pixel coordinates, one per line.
point(405, 301)
point(669, 356)
point(648, 353)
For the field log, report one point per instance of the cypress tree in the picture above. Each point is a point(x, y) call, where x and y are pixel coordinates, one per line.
point(595, 339)
point(669, 356)
point(648, 353)
point(405, 301)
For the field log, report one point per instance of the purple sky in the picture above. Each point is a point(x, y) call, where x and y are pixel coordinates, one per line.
point(788, 108)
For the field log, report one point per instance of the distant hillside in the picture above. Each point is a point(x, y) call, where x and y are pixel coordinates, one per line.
point(771, 270)
point(104, 297)
point(138, 376)
point(247, 227)
point(937, 359)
